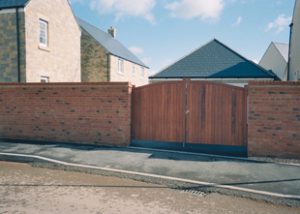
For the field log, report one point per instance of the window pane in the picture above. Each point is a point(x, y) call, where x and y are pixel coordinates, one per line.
point(120, 66)
point(43, 32)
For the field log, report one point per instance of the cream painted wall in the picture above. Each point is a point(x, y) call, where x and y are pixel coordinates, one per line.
point(295, 45)
point(136, 78)
point(61, 60)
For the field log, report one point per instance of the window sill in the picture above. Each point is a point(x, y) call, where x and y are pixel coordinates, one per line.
point(44, 48)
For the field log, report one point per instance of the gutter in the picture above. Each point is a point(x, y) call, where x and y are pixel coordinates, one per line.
point(128, 60)
point(215, 78)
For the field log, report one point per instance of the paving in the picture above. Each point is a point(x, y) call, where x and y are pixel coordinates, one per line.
point(273, 178)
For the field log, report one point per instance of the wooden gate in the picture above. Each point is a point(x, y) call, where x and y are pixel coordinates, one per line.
point(188, 114)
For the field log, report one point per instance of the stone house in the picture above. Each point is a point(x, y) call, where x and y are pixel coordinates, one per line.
point(216, 62)
point(39, 41)
point(105, 59)
point(276, 59)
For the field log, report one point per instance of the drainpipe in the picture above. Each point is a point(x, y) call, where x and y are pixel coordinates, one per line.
point(18, 44)
point(289, 56)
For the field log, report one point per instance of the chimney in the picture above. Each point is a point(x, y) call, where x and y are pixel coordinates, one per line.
point(112, 31)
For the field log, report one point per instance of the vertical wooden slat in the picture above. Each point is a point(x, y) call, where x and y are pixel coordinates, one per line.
point(217, 113)
point(158, 112)
point(222, 109)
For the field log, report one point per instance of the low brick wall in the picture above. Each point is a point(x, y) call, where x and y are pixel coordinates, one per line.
point(92, 113)
point(274, 119)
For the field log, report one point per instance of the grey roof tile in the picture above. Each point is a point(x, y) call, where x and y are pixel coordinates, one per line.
point(283, 48)
point(12, 3)
point(214, 60)
point(111, 45)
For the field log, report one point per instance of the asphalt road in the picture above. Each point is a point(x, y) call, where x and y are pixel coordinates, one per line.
point(24, 189)
point(262, 176)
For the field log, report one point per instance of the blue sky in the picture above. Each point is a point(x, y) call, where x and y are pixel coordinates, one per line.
point(160, 32)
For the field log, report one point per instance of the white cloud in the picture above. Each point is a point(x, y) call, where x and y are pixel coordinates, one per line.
point(136, 50)
point(279, 24)
point(189, 9)
point(238, 21)
point(121, 8)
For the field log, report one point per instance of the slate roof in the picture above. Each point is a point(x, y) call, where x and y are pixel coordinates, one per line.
point(111, 45)
point(5, 4)
point(283, 48)
point(214, 60)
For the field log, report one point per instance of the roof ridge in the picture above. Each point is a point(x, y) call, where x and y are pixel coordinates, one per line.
point(126, 54)
point(244, 58)
point(181, 65)
point(281, 43)
point(181, 58)
point(280, 51)
point(92, 25)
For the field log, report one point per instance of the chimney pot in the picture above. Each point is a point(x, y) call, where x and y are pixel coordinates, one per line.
point(112, 31)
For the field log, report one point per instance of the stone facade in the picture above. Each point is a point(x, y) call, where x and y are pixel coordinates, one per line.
point(94, 60)
point(99, 66)
point(60, 61)
point(131, 72)
point(8, 46)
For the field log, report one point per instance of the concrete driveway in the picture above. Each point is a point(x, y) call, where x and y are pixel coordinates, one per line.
point(279, 182)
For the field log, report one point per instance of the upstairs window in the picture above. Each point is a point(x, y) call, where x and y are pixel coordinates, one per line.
point(43, 33)
point(120, 66)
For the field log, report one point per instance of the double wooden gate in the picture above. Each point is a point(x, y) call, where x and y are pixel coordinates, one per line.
point(190, 112)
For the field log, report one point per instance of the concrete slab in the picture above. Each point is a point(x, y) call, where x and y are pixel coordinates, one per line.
point(240, 173)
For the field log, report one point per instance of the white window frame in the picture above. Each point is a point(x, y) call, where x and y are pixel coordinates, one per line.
point(43, 32)
point(45, 79)
point(120, 66)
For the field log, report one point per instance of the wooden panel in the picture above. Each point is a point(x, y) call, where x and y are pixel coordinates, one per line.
point(217, 114)
point(158, 112)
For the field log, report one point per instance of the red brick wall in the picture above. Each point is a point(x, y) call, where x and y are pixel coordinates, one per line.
point(93, 113)
point(274, 119)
